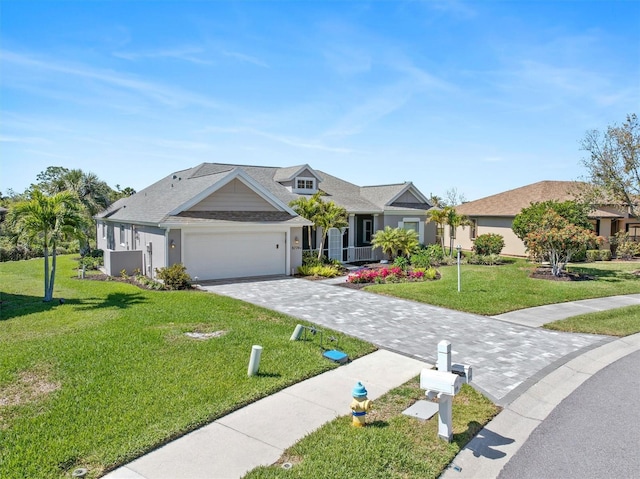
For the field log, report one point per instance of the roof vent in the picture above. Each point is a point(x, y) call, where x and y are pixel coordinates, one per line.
point(174, 176)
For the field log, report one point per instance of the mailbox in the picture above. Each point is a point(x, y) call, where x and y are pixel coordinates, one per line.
point(440, 382)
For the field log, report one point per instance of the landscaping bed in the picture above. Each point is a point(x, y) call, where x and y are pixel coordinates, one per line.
point(546, 273)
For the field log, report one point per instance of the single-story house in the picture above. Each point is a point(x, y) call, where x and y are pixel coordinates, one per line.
point(231, 221)
point(495, 214)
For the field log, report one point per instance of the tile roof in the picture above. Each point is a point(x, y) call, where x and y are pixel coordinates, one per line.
point(154, 204)
point(510, 203)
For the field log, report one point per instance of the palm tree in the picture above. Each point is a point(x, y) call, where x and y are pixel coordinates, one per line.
point(308, 208)
point(454, 220)
point(93, 195)
point(329, 216)
point(395, 240)
point(439, 217)
point(386, 240)
point(47, 220)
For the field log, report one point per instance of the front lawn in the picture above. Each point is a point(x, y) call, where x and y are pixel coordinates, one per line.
point(109, 374)
point(491, 290)
point(615, 322)
point(391, 446)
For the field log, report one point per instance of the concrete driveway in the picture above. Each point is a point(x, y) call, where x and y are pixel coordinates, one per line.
point(506, 358)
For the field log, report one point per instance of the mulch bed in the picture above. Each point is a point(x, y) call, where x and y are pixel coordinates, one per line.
point(106, 277)
point(545, 273)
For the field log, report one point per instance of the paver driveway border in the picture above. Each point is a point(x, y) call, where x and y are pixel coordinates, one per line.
point(506, 358)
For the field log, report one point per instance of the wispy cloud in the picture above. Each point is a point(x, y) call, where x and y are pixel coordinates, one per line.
point(174, 97)
point(187, 54)
point(22, 139)
point(245, 58)
point(286, 140)
point(348, 60)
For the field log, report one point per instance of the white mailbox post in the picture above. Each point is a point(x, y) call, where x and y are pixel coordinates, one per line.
point(442, 384)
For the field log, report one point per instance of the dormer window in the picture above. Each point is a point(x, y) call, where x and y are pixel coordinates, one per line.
point(305, 185)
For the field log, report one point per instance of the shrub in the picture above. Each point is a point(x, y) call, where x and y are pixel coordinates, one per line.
point(485, 259)
point(90, 262)
point(605, 255)
point(625, 248)
point(432, 255)
point(488, 244)
point(593, 255)
point(175, 276)
point(401, 262)
point(324, 271)
point(310, 259)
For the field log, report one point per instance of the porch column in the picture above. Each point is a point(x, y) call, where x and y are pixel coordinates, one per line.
point(352, 230)
point(352, 237)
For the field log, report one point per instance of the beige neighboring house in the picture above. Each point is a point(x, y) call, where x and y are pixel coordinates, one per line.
point(231, 221)
point(495, 214)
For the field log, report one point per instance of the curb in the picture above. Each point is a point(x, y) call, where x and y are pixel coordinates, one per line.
point(487, 453)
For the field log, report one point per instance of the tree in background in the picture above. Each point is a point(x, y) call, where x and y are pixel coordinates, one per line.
point(614, 162)
point(47, 220)
point(557, 239)
point(454, 221)
point(94, 196)
point(454, 198)
point(530, 217)
point(439, 217)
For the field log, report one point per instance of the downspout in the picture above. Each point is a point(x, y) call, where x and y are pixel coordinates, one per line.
point(287, 256)
point(166, 247)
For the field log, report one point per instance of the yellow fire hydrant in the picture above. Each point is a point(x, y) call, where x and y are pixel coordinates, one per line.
point(360, 405)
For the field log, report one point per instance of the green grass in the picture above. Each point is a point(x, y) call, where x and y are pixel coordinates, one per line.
point(109, 374)
point(615, 322)
point(391, 446)
point(491, 290)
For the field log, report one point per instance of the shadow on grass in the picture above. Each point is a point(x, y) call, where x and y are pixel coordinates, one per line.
point(484, 443)
point(16, 305)
point(379, 424)
point(607, 275)
point(268, 375)
point(119, 300)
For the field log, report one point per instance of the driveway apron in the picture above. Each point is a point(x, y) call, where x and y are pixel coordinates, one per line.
point(506, 358)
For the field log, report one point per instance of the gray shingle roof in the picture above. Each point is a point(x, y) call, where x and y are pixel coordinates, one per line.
point(154, 204)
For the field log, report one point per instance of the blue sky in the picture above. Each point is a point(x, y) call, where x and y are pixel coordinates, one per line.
point(481, 96)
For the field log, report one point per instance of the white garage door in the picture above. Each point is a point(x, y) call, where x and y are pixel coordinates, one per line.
point(234, 255)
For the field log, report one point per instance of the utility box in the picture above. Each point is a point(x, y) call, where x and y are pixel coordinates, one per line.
point(440, 382)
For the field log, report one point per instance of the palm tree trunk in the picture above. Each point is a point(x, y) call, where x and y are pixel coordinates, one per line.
point(321, 248)
point(46, 271)
point(49, 295)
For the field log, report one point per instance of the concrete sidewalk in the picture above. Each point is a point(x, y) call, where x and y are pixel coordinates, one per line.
point(536, 317)
point(259, 433)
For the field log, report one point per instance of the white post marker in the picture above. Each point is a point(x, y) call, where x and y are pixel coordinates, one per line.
point(444, 356)
point(254, 360)
point(459, 248)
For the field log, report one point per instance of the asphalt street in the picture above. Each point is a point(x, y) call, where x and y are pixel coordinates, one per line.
point(593, 433)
